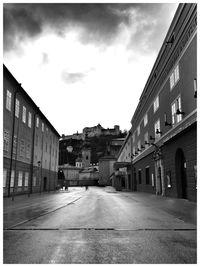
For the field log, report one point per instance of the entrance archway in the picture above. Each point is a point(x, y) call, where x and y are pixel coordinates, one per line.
point(181, 179)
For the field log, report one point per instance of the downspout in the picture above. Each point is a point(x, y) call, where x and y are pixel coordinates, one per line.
point(32, 154)
point(13, 130)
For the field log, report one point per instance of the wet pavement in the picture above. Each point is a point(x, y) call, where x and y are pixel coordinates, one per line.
point(99, 225)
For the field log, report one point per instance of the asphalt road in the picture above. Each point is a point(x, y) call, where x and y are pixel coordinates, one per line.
point(99, 226)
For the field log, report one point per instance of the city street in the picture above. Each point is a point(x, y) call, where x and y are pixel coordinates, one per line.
point(99, 225)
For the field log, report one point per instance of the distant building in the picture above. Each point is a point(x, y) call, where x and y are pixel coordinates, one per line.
point(99, 130)
point(106, 169)
point(30, 148)
point(76, 176)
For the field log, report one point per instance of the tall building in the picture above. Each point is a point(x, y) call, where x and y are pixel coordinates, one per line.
point(164, 125)
point(30, 148)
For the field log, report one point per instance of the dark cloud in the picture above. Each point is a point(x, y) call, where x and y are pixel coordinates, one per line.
point(98, 22)
point(72, 77)
point(152, 22)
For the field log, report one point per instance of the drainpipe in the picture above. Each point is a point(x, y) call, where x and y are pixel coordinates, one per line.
point(12, 141)
point(32, 154)
point(50, 166)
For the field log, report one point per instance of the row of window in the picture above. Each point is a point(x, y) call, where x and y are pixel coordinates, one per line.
point(150, 180)
point(25, 114)
point(174, 78)
point(176, 118)
point(21, 180)
point(24, 149)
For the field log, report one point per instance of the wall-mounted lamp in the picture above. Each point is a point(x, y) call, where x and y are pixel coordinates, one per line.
point(158, 131)
point(178, 112)
point(195, 88)
point(166, 122)
point(151, 138)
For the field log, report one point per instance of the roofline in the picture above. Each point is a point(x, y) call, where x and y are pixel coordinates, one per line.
point(124, 143)
point(161, 51)
point(30, 100)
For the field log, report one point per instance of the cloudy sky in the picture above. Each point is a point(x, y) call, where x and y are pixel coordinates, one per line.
point(84, 64)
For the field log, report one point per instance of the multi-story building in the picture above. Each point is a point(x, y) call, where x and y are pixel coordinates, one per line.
point(164, 125)
point(30, 149)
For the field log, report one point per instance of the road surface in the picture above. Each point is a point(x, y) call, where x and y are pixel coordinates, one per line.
point(99, 225)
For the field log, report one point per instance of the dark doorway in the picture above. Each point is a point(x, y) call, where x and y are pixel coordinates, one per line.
point(181, 179)
point(45, 184)
point(129, 181)
point(135, 181)
point(159, 180)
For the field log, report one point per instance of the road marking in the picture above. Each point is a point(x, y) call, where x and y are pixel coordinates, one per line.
point(43, 214)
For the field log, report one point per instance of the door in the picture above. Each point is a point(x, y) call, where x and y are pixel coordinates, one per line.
point(181, 179)
point(45, 184)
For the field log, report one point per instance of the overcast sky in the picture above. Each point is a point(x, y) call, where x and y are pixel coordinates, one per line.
point(84, 64)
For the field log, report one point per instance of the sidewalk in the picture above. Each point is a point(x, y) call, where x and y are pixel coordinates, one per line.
point(182, 208)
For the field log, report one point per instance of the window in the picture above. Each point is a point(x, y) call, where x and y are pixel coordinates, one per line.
point(42, 127)
point(157, 129)
point(4, 177)
point(34, 180)
point(133, 150)
point(28, 151)
point(147, 175)
point(133, 138)
point(26, 179)
point(29, 119)
point(17, 108)
point(139, 176)
point(152, 180)
point(37, 122)
point(138, 130)
point(174, 77)
point(172, 80)
point(6, 139)
point(22, 148)
point(8, 100)
point(139, 145)
point(176, 74)
point(176, 106)
point(20, 176)
point(12, 180)
point(24, 114)
point(15, 144)
point(86, 157)
point(146, 139)
point(46, 146)
point(145, 119)
point(156, 104)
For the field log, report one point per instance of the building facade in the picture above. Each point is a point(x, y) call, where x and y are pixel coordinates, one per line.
point(30, 148)
point(164, 125)
point(121, 178)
